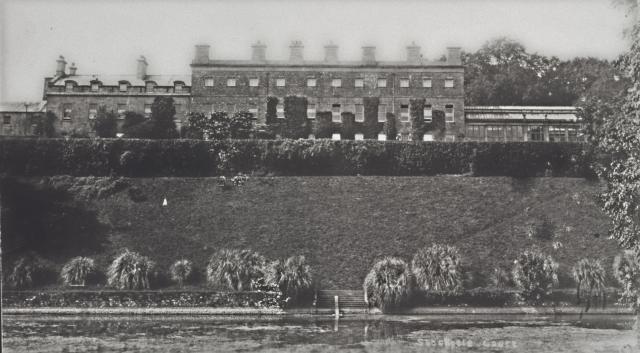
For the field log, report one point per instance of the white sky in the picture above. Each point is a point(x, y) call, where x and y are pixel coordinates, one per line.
point(107, 36)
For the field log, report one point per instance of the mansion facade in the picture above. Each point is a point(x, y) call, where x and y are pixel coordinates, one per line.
point(328, 85)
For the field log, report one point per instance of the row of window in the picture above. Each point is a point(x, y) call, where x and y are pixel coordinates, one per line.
point(121, 110)
point(336, 112)
point(178, 87)
point(522, 133)
point(383, 137)
point(335, 82)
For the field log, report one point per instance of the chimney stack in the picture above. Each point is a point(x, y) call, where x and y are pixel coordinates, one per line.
point(202, 54)
point(331, 53)
point(296, 48)
point(258, 52)
point(72, 69)
point(369, 54)
point(141, 73)
point(413, 53)
point(453, 56)
point(60, 67)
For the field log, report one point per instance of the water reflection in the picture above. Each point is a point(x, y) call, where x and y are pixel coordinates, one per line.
point(372, 334)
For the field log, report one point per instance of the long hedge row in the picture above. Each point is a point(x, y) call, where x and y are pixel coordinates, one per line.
point(138, 158)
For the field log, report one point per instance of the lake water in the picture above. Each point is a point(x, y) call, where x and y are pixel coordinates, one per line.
point(605, 334)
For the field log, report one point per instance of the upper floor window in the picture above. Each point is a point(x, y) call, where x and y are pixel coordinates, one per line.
point(404, 82)
point(404, 112)
point(95, 86)
point(426, 82)
point(311, 111)
point(448, 83)
point(359, 112)
point(448, 113)
point(358, 82)
point(382, 113)
point(93, 110)
point(280, 82)
point(254, 82)
point(336, 113)
point(124, 86)
point(311, 82)
point(280, 111)
point(231, 82)
point(208, 82)
point(382, 82)
point(428, 112)
point(177, 87)
point(6, 119)
point(150, 86)
point(66, 111)
point(69, 86)
point(336, 82)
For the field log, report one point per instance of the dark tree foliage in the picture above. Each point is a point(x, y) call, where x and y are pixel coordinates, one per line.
point(106, 124)
point(418, 126)
point(390, 127)
point(502, 72)
point(371, 126)
point(348, 130)
point(295, 114)
point(437, 127)
point(219, 125)
point(45, 125)
point(324, 126)
point(241, 125)
point(47, 221)
point(163, 112)
point(136, 126)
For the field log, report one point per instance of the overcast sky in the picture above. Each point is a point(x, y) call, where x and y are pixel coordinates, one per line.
point(107, 36)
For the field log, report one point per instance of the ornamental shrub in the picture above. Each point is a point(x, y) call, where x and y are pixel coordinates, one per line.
point(181, 271)
point(535, 275)
point(590, 281)
point(291, 276)
point(24, 273)
point(438, 268)
point(626, 270)
point(235, 269)
point(388, 284)
point(130, 270)
point(77, 271)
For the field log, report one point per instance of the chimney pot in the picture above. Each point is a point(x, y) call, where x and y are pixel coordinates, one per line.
point(258, 52)
point(296, 53)
point(369, 54)
point(453, 56)
point(141, 73)
point(61, 66)
point(331, 53)
point(202, 54)
point(413, 53)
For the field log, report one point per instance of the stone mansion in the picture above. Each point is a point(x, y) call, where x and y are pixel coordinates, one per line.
point(329, 85)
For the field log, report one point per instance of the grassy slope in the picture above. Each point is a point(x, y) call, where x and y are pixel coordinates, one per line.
point(343, 224)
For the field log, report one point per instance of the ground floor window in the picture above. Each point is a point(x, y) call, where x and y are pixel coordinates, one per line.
point(557, 134)
point(427, 137)
point(382, 137)
point(335, 137)
point(495, 133)
point(359, 136)
point(535, 133)
point(475, 132)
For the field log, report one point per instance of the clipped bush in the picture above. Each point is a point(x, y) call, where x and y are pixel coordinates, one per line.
point(292, 276)
point(130, 270)
point(236, 269)
point(535, 275)
point(388, 284)
point(181, 271)
point(626, 270)
point(590, 281)
point(24, 273)
point(438, 268)
point(77, 270)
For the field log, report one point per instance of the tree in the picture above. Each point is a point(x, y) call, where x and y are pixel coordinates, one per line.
point(220, 125)
point(241, 125)
point(163, 112)
point(45, 125)
point(106, 124)
point(390, 129)
point(136, 126)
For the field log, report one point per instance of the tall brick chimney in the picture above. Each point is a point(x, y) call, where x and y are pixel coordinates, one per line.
point(369, 54)
point(72, 69)
point(141, 73)
point(296, 52)
point(331, 53)
point(413, 53)
point(259, 52)
point(453, 56)
point(202, 54)
point(61, 65)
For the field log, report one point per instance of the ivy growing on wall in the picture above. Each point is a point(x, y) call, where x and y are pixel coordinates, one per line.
point(348, 130)
point(437, 126)
point(324, 126)
point(371, 127)
point(272, 106)
point(295, 114)
point(390, 127)
point(417, 119)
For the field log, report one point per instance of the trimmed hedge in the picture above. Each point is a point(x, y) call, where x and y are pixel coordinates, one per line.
point(143, 299)
point(192, 158)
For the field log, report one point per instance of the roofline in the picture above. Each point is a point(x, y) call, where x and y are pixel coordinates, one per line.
point(324, 64)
